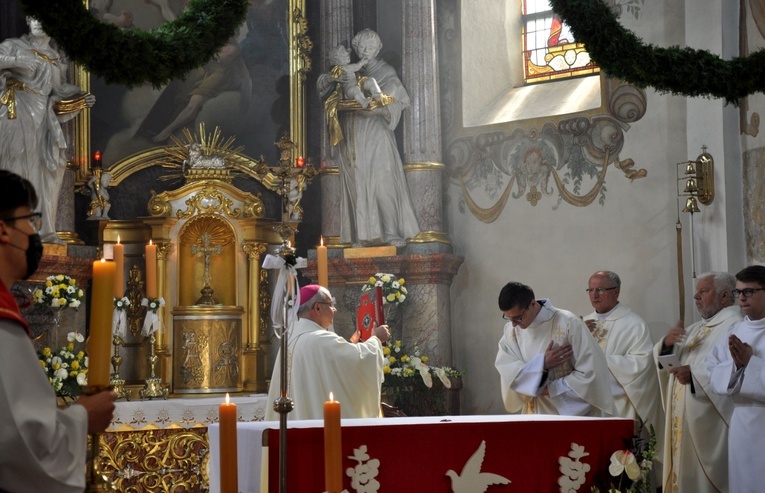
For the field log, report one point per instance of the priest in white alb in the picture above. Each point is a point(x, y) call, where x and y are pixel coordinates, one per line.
point(696, 429)
point(626, 341)
point(547, 360)
point(320, 362)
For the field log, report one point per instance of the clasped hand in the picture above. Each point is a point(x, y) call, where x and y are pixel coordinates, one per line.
point(556, 356)
point(741, 352)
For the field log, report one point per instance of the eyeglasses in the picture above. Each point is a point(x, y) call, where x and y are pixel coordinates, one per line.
point(330, 303)
point(35, 220)
point(600, 290)
point(745, 293)
point(518, 318)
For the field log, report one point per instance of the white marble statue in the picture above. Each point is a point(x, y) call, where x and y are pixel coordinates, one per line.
point(363, 90)
point(375, 206)
point(198, 160)
point(34, 100)
point(98, 184)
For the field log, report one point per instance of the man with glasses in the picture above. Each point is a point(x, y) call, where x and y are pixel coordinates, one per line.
point(696, 425)
point(547, 360)
point(737, 369)
point(321, 362)
point(626, 341)
point(42, 447)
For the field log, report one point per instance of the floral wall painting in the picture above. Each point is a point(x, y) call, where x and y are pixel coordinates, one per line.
point(567, 161)
point(245, 90)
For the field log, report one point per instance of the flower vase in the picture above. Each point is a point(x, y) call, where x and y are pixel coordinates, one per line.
point(53, 339)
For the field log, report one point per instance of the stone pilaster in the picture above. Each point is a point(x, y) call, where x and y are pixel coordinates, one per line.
point(422, 123)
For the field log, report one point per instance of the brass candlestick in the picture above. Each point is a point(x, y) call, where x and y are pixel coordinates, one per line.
point(154, 386)
point(117, 383)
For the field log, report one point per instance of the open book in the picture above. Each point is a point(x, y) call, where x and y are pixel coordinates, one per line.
point(370, 312)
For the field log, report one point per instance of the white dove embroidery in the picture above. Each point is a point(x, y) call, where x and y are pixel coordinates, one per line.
point(471, 479)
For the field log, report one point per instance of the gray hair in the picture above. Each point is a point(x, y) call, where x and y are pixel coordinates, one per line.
point(723, 281)
point(613, 278)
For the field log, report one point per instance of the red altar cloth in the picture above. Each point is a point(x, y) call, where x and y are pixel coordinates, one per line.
point(415, 457)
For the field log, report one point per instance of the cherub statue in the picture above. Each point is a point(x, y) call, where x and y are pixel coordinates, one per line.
point(345, 73)
point(99, 194)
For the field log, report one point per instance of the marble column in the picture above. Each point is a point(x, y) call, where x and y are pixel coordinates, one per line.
point(65, 211)
point(336, 28)
point(422, 123)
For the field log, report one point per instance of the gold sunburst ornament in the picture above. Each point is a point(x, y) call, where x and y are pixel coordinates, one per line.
point(203, 156)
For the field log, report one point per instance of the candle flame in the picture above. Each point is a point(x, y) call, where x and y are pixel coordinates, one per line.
point(321, 240)
point(103, 260)
point(289, 244)
point(331, 397)
point(150, 243)
point(227, 400)
point(118, 239)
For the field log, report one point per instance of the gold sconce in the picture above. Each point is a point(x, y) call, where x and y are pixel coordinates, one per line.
point(699, 180)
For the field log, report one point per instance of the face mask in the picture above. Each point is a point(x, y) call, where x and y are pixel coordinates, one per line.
point(34, 254)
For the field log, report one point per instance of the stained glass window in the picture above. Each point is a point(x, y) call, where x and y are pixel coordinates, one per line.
point(550, 50)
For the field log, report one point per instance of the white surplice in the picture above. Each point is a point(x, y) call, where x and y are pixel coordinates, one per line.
point(42, 447)
point(626, 342)
point(321, 362)
point(579, 387)
point(746, 388)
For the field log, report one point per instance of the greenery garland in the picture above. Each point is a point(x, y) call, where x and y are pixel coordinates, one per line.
point(682, 71)
point(133, 56)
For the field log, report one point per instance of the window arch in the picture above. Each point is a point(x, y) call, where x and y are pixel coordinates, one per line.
point(550, 51)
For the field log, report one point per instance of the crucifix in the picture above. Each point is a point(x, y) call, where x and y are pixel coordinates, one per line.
point(205, 247)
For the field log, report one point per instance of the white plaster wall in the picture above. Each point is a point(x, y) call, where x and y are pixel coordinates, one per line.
point(633, 233)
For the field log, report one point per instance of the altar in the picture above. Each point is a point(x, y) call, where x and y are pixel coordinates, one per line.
point(534, 453)
point(163, 445)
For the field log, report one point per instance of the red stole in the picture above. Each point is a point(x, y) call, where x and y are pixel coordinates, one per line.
point(9, 309)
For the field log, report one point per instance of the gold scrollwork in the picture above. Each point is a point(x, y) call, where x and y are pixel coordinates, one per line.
point(207, 200)
point(164, 249)
point(159, 207)
point(155, 460)
point(254, 250)
point(302, 42)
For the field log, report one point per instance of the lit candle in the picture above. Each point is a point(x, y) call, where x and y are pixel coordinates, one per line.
point(97, 159)
point(119, 266)
point(321, 262)
point(300, 162)
point(333, 466)
point(229, 481)
point(100, 331)
point(151, 270)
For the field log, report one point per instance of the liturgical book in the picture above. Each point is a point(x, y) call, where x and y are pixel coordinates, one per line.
point(370, 312)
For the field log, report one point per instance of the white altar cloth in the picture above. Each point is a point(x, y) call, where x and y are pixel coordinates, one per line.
point(183, 413)
point(252, 456)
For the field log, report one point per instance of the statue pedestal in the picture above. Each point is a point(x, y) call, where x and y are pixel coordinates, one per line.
point(208, 349)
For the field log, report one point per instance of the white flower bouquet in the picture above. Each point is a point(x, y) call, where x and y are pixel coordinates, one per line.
point(67, 368)
point(59, 292)
point(393, 288)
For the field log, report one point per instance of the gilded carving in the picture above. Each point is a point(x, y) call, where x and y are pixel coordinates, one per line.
point(156, 460)
point(164, 249)
point(254, 250)
point(265, 303)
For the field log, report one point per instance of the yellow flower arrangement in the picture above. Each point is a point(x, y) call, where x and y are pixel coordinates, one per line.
point(60, 291)
point(393, 288)
point(66, 369)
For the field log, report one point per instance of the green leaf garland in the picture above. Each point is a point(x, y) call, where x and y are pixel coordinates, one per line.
point(681, 71)
point(131, 57)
